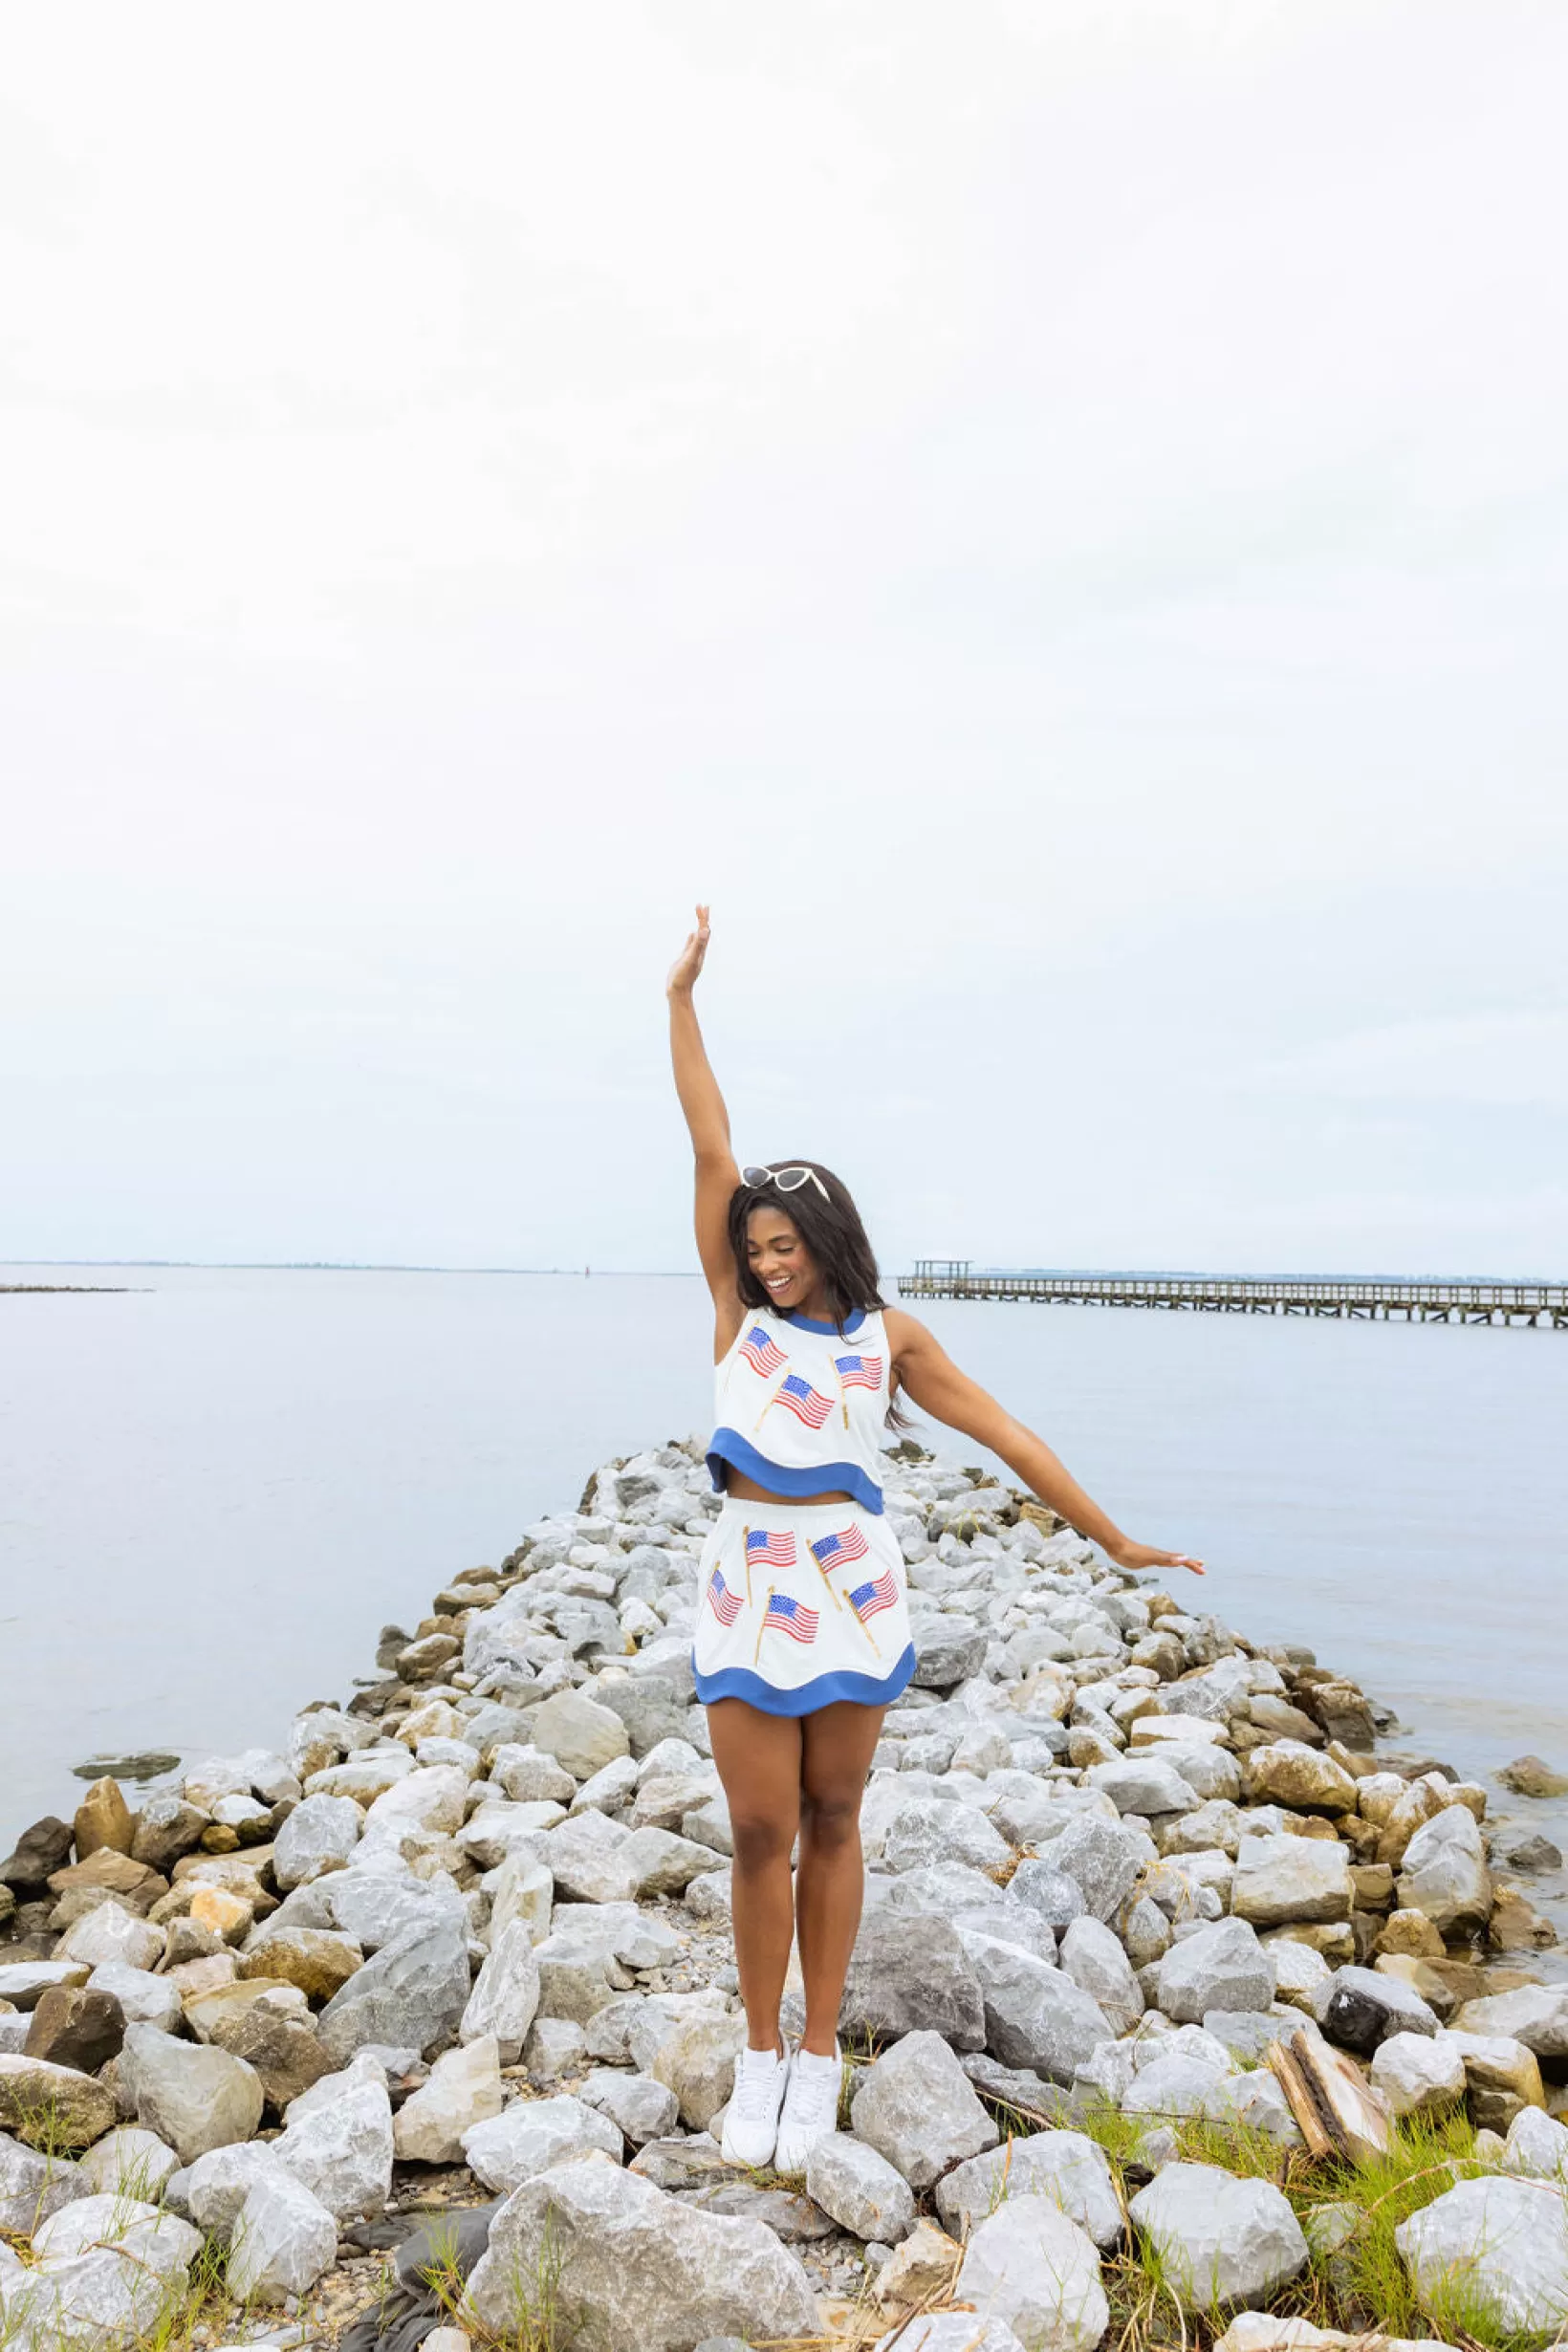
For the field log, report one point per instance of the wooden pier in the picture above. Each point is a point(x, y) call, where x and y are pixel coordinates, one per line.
point(1370, 1300)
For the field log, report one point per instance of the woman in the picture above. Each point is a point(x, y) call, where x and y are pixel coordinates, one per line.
point(802, 1635)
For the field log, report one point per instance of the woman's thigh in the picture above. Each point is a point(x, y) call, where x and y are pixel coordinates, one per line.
point(837, 1746)
point(759, 1759)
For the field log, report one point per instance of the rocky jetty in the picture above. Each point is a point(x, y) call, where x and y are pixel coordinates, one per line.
point(1177, 2010)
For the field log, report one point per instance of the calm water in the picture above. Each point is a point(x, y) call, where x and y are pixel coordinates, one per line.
point(216, 1488)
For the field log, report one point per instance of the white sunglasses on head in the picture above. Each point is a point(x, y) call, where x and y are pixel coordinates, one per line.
point(785, 1179)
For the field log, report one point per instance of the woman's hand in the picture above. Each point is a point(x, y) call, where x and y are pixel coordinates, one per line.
point(1129, 1555)
point(683, 972)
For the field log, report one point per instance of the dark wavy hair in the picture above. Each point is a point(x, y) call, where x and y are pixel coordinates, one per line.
point(832, 1230)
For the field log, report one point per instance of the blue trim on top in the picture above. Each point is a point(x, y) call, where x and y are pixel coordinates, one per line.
point(822, 1690)
point(806, 1323)
point(789, 1484)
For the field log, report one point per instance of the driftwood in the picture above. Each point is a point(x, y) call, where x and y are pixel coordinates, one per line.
point(1338, 2112)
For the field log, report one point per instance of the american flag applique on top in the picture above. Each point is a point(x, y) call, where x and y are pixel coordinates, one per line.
point(832, 1551)
point(880, 1593)
point(761, 1354)
point(725, 1605)
point(806, 1403)
point(791, 1617)
point(858, 1371)
point(766, 1548)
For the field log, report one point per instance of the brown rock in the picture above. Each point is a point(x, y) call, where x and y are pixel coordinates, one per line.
point(1528, 1775)
point(423, 1660)
point(1287, 1772)
point(1515, 1925)
point(228, 1916)
point(1343, 1712)
point(212, 2014)
point(1501, 2078)
point(1362, 1837)
point(73, 2027)
point(315, 1959)
point(53, 2108)
point(136, 1885)
point(1422, 1801)
point(282, 2048)
point(39, 1852)
point(167, 1827)
point(1334, 1939)
point(103, 1819)
point(219, 1837)
point(189, 1940)
point(1374, 1884)
point(1281, 1720)
point(1409, 1934)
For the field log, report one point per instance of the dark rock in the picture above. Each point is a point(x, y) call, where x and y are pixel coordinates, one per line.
point(946, 1651)
point(167, 1827)
point(283, 2050)
point(909, 1974)
point(1359, 2008)
point(108, 1872)
point(390, 1642)
point(1529, 1852)
point(73, 2027)
point(146, 1765)
point(40, 1851)
point(189, 1940)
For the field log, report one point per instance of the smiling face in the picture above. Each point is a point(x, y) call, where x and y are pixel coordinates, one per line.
point(779, 1259)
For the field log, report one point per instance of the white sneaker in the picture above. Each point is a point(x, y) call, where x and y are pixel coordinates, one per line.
point(811, 2108)
point(751, 2125)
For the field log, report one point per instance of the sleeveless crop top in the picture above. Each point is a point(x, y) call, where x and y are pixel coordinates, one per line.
point(800, 1407)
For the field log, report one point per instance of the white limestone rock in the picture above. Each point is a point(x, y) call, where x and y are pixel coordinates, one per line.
point(1220, 2240)
point(505, 1999)
point(282, 2241)
point(341, 2150)
point(1495, 2247)
point(1419, 2074)
point(860, 2189)
point(531, 2136)
point(1067, 2167)
point(1031, 2267)
point(916, 2106)
point(464, 2089)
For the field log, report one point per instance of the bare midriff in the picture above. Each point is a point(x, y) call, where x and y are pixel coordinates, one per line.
point(747, 1490)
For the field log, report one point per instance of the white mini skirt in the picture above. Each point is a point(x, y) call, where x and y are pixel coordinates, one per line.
point(800, 1605)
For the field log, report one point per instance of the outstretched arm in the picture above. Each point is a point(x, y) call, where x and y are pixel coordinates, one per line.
point(928, 1375)
point(709, 1124)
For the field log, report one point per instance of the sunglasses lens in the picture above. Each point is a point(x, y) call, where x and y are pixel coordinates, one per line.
point(754, 1176)
point(791, 1179)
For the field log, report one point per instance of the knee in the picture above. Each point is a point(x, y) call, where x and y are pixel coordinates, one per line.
point(831, 1820)
point(759, 1839)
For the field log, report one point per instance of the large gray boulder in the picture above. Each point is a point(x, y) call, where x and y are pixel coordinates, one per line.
point(193, 2096)
point(1219, 2240)
point(282, 2241)
point(860, 2189)
point(1535, 2015)
point(1092, 1955)
point(909, 1974)
point(580, 1733)
point(1103, 1857)
point(380, 1907)
point(927, 1830)
point(1049, 1893)
point(216, 2185)
point(533, 2134)
point(1028, 2265)
point(1444, 1873)
point(505, 1999)
point(318, 1836)
point(1281, 1880)
point(633, 2269)
point(1067, 2167)
point(1143, 1783)
point(33, 2187)
point(410, 1995)
point(1035, 2016)
point(916, 2106)
point(1221, 1967)
point(342, 2148)
point(1492, 2250)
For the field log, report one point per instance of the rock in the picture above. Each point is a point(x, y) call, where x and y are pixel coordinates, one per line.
point(860, 2189)
point(342, 2148)
point(318, 1836)
point(167, 1827)
point(917, 2108)
point(946, 1651)
point(1144, 1784)
point(655, 1861)
point(1067, 2167)
point(143, 1998)
point(1031, 2267)
point(580, 1733)
point(506, 1996)
point(1444, 1873)
point(948, 2331)
point(1288, 1772)
point(318, 1960)
point(128, 2162)
point(1300, 1968)
point(641, 2107)
point(37, 1854)
point(910, 1974)
point(532, 2135)
point(554, 2047)
point(1536, 2146)
point(103, 1819)
point(1281, 1878)
point(585, 1854)
point(217, 2185)
point(921, 2269)
point(76, 2027)
point(53, 2107)
point(697, 2062)
point(193, 2097)
point(112, 1933)
point(1219, 2240)
point(283, 2049)
point(927, 1830)
point(378, 1906)
point(1535, 2014)
point(23, 1983)
point(283, 2240)
point(411, 1995)
point(158, 2239)
point(1035, 2015)
point(464, 2089)
point(33, 2187)
point(1490, 2253)
point(528, 1776)
point(1359, 2008)
point(1409, 1935)
point(1049, 1892)
point(1221, 1967)
point(1093, 1957)
point(1103, 1857)
point(1418, 2074)
point(1501, 2078)
point(1527, 1775)
point(638, 2270)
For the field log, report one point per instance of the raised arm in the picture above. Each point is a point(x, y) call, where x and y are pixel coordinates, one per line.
point(928, 1375)
point(709, 1124)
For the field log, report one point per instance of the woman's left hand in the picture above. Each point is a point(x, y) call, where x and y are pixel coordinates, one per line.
point(1129, 1555)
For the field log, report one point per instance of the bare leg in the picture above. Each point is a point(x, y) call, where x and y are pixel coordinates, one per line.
point(837, 1745)
point(758, 1761)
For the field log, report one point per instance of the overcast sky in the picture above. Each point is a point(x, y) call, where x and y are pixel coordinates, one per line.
point(1051, 515)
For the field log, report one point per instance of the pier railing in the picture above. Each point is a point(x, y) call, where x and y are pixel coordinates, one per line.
point(1369, 1298)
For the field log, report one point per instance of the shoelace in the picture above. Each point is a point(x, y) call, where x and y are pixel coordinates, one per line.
point(811, 2097)
point(754, 2090)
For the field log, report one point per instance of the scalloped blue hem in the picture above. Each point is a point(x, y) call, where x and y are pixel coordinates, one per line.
point(823, 1691)
point(789, 1484)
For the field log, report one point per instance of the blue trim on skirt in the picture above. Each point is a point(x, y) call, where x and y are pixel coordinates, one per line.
point(789, 1484)
point(825, 1691)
